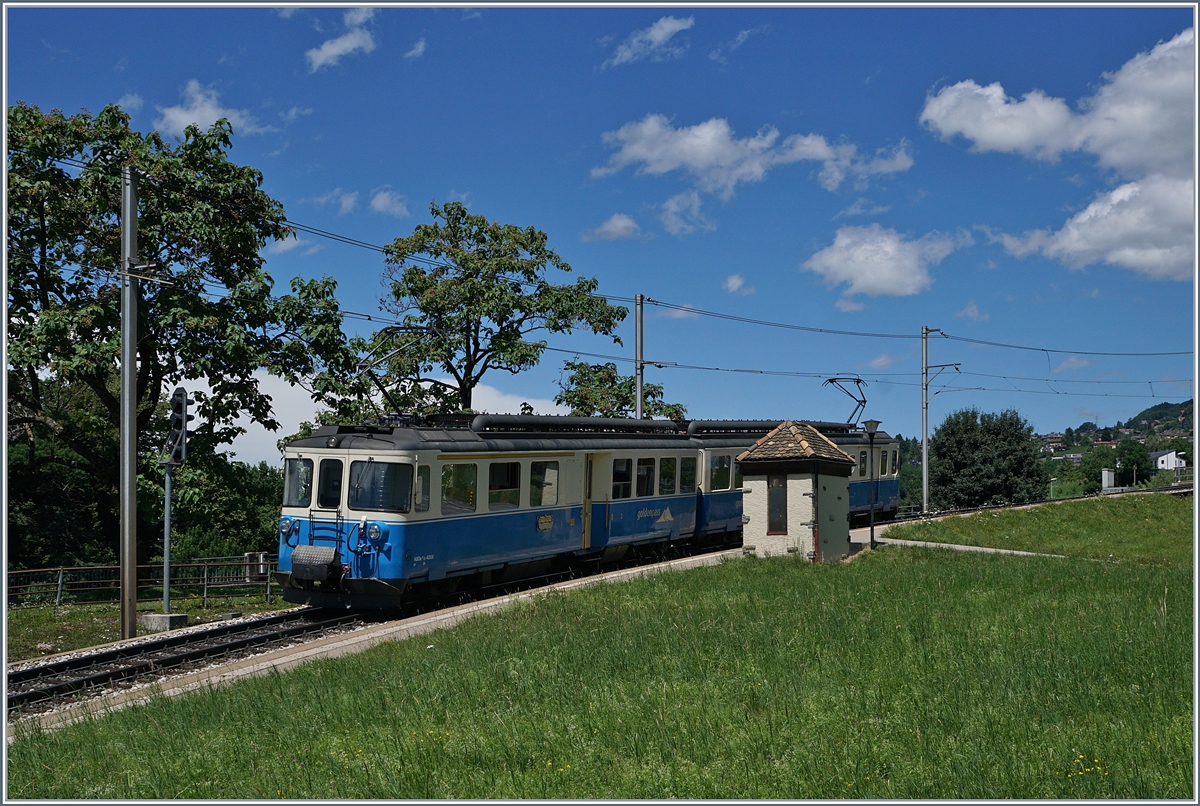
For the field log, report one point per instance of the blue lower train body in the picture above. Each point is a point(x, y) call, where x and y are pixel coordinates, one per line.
point(887, 498)
point(407, 553)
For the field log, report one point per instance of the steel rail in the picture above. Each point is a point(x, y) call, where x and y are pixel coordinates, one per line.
point(47, 681)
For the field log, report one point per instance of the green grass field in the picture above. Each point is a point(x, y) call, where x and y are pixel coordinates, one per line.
point(908, 673)
point(1141, 528)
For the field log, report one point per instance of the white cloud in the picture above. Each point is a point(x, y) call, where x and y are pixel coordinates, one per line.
point(346, 200)
point(357, 17)
point(1139, 123)
point(1037, 126)
point(653, 42)
point(1145, 226)
point(290, 405)
point(718, 53)
point(736, 284)
point(876, 261)
point(390, 203)
point(1074, 362)
point(286, 13)
point(972, 312)
point(295, 112)
point(491, 400)
point(717, 160)
point(881, 361)
point(201, 108)
point(617, 226)
point(681, 214)
point(331, 52)
point(679, 312)
point(286, 245)
point(130, 102)
point(862, 206)
point(417, 50)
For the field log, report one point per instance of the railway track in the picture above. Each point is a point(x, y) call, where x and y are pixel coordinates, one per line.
point(58, 680)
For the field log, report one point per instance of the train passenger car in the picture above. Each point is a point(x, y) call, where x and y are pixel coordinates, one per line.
point(436, 503)
point(885, 465)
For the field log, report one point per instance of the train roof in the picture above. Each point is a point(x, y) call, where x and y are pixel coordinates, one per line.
point(470, 433)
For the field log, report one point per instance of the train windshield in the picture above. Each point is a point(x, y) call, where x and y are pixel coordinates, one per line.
point(297, 482)
point(381, 486)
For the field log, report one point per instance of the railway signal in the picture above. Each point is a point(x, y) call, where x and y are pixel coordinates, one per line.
point(177, 433)
point(176, 455)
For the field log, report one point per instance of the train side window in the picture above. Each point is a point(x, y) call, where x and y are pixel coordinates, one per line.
point(384, 486)
point(543, 484)
point(329, 487)
point(666, 475)
point(737, 475)
point(777, 504)
point(719, 473)
point(895, 454)
point(645, 477)
point(504, 485)
point(687, 475)
point(622, 478)
point(862, 463)
point(423, 487)
point(458, 489)
point(297, 482)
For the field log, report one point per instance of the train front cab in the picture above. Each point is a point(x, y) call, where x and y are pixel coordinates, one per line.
point(341, 532)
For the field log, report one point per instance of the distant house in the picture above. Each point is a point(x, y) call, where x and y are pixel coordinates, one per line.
point(1166, 460)
point(1051, 442)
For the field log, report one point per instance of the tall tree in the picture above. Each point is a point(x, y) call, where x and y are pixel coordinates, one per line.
point(978, 459)
point(202, 222)
point(598, 390)
point(1095, 460)
point(475, 290)
point(1134, 458)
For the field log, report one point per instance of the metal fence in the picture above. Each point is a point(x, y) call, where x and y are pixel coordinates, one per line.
point(219, 577)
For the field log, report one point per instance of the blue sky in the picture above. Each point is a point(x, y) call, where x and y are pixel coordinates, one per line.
point(1013, 175)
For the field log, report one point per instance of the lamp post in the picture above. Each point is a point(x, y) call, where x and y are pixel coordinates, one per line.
point(871, 426)
point(1052, 487)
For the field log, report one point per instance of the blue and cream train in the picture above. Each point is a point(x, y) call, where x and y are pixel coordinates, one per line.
point(435, 503)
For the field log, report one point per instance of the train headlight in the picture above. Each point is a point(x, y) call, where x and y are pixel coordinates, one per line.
point(374, 532)
point(285, 526)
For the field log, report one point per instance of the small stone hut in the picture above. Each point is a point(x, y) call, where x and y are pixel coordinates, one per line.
point(797, 495)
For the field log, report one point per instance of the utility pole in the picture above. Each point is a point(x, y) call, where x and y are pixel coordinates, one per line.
point(129, 329)
point(638, 364)
point(924, 419)
point(925, 331)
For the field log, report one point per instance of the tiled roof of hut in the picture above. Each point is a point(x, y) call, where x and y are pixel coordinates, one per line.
point(793, 440)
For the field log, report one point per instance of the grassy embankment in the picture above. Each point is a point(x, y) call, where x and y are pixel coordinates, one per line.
point(909, 673)
point(1140, 528)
